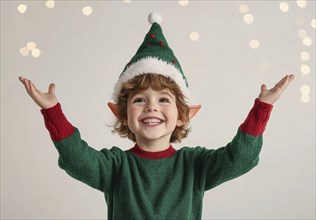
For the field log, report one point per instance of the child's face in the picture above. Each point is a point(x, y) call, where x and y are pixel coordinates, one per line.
point(152, 116)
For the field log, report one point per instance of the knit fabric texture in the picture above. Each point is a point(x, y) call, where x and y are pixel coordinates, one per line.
point(138, 185)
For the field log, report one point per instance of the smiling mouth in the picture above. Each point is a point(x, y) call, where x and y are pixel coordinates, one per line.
point(152, 121)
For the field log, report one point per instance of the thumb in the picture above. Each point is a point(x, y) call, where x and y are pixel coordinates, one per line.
point(263, 87)
point(51, 88)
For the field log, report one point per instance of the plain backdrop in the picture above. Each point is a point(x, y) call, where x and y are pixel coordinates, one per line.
point(84, 55)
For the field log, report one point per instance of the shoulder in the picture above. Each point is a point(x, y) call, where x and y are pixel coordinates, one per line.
point(194, 152)
point(114, 152)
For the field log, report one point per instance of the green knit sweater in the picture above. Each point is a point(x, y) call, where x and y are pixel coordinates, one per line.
point(160, 185)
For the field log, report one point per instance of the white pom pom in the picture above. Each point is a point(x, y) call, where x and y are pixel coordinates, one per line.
point(154, 17)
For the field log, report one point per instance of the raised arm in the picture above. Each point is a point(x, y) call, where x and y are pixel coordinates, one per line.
point(242, 153)
point(76, 157)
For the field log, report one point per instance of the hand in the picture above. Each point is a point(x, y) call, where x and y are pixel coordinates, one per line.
point(270, 96)
point(43, 100)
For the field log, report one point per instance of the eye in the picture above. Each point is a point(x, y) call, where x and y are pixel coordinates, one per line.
point(139, 99)
point(164, 100)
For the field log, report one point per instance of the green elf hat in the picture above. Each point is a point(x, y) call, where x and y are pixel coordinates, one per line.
point(153, 56)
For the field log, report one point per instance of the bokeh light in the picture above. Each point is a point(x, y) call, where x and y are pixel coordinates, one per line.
point(284, 7)
point(248, 18)
point(243, 8)
point(183, 2)
point(254, 44)
point(302, 33)
point(304, 56)
point(24, 51)
point(307, 41)
point(301, 3)
point(305, 98)
point(305, 69)
point(50, 4)
point(36, 52)
point(194, 36)
point(22, 8)
point(31, 45)
point(87, 10)
point(305, 90)
point(313, 23)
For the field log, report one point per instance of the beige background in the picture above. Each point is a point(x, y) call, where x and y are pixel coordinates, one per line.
point(84, 56)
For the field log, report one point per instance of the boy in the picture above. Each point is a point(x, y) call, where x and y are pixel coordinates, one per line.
point(152, 180)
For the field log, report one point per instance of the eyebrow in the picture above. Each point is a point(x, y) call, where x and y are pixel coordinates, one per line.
point(168, 94)
point(162, 92)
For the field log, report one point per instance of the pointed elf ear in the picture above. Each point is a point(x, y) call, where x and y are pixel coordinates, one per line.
point(113, 108)
point(193, 111)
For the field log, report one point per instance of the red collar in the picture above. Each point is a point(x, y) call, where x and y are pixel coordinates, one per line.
point(153, 155)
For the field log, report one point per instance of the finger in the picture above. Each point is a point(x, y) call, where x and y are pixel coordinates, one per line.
point(21, 79)
point(24, 82)
point(292, 77)
point(33, 89)
point(263, 87)
point(285, 83)
point(280, 82)
point(27, 85)
point(32, 85)
point(51, 88)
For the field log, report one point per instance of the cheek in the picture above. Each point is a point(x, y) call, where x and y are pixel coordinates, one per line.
point(173, 114)
point(132, 114)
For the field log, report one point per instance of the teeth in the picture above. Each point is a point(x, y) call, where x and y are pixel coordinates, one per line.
point(152, 121)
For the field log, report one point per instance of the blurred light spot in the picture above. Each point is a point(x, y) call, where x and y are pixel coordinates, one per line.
point(87, 10)
point(194, 36)
point(243, 8)
point(305, 69)
point(31, 45)
point(284, 7)
point(305, 98)
point(183, 2)
point(313, 23)
point(36, 52)
point(299, 20)
point(22, 8)
point(24, 51)
point(248, 18)
point(307, 41)
point(127, 1)
point(305, 90)
point(50, 3)
point(254, 44)
point(304, 56)
point(302, 33)
point(301, 3)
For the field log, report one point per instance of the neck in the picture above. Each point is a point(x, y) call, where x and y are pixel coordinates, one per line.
point(153, 146)
point(153, 155)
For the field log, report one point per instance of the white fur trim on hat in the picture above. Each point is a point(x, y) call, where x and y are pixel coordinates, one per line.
point(151, 65)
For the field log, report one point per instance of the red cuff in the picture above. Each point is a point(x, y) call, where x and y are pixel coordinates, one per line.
point(257, 118)
point(56, 123)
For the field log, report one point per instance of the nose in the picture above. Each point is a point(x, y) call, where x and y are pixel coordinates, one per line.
point(150, 107)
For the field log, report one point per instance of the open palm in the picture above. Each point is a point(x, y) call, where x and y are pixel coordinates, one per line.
point(272, 95)
point(43, 100)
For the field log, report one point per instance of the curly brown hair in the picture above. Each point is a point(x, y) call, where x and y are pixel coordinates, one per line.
point(157, 82)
